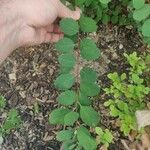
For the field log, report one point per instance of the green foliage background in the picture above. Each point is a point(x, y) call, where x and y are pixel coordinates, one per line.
point(118, 12)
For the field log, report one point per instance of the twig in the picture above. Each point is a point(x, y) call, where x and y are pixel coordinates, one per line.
point(125, 145)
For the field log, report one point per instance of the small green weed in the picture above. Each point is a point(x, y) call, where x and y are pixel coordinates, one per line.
point(104, 137)
point(105, 11)
point(128, 92)
point(12, 121)
point(2, 102)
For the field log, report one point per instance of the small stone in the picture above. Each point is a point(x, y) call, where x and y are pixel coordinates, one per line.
point(129, 27)
point(120, 46)
point(4, 115)
point(12, 77)
point(114, 56)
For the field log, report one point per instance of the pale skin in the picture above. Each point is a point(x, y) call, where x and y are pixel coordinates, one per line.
point(30, 22)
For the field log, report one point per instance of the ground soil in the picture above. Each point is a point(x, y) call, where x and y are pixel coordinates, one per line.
point(26, 79)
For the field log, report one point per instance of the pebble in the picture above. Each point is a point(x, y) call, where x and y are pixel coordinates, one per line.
point(120, 46)
point(12, 77)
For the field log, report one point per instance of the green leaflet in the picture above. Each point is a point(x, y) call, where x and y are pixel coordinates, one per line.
point(57, 116)
point(89, 116)
point(87, 24)
point(89, 89)
point(67, 98)
point(64, 135)
point(87, 85)
point(69, 26)
point(114, 111)
point(71, 118)
point(89, 50)
point(105, 19)
point(146, 28)
point(88, 75)
point(65, 45)
point(147, 40)
point(67, 62)
point(85, 139)
point(114, 19)
point(64, 81)
point(84, 100)
point(141, 14)
point(74, 38)
point(137, 4)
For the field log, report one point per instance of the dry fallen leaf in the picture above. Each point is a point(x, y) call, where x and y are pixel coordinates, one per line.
point(145, 140)
point(143, 144)
point(143, 118)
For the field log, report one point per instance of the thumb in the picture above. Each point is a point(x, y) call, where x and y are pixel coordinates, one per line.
point(32, 36)
point(65, 12)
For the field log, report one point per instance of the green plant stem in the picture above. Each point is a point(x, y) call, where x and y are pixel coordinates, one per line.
point(78, 73)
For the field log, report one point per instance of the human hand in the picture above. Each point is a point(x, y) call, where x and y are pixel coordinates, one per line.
point(30, 22)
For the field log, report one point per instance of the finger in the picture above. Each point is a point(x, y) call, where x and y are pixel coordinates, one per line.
point(33, 36)
point(65, 12)
point(54, 28)
point(57, 29)
point(52, 37)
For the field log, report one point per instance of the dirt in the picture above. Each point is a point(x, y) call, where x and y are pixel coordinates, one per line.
point(26, 80)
